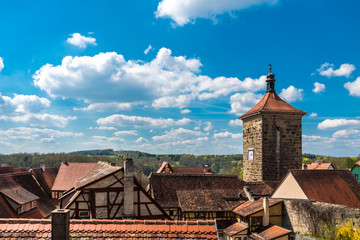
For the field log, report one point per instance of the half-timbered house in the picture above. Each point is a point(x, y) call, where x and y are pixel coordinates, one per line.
point(110, 192)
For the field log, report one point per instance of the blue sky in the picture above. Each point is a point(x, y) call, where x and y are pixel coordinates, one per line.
point(168, 77)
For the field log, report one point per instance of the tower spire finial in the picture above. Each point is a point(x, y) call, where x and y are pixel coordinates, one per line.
point(270, 81)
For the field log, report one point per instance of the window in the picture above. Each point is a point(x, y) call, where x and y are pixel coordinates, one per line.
point(356, 175)
point(84, 214)
point(171, 213)
point(250, 154)
point(256, 221)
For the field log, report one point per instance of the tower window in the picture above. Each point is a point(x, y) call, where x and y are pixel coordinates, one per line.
point(251, 154)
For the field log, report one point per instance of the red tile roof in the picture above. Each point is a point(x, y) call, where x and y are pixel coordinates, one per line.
point(251, 207)
point(11, 169)
point(319, 166)
point(261, 188)
point(45, 179)
point(28, 190)
point(101, 229)
point(272, 103)
point(335, 186)
point(269, 233)
point(167, 168)
point(235, 229)
point(191, 190)
point(69, 173)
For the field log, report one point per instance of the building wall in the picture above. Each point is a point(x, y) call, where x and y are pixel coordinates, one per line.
point(356, 170)
point(304, 216)
point(252, 138)
point(282, 145)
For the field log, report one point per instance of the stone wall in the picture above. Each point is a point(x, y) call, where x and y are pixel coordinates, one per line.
point(282, 145)
point(304, 216)
point(252, 138)
point(277, 143)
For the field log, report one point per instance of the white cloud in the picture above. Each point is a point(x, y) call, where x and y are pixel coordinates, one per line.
point(78, 40)
point(291, 94)
point(128, 132)
point(148, 49)
point(185, 111)
point(313, 138)
point(1, 64)
point(243, 102)
point(236, 122)
point(141, 140)
point(23, 104)
point(345, 70)
point(227, 134)
point(313, 115)
point(319, 87)
point(208, 126)
point(106, 128)
point(40, 119)
point(106, 82)
point(353, 87)
point(176, 134)
point(124, 120)
point(347, 133)
point(183, 12)
point(24, 133)
point(335, 123)
point(103, 139)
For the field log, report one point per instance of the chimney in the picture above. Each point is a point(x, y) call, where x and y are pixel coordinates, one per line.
point(60, 224)
point(113, 164)
point(304, 166)
point(129, 211)
point(207, 169)
point(42, 166)
point(266, 216)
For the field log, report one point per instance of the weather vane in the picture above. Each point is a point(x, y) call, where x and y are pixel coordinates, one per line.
point(270, 67)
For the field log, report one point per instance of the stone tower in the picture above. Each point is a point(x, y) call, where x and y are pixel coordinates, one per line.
point(272, 142)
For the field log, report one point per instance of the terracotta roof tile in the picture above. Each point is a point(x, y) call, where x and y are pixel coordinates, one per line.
point(272, 103)
point(270, 232)
point(335, 186)
point(251, 207)
point(235, 229)
point(134, 229)
point(319, 166)
point(197, 192)
point(69, 173)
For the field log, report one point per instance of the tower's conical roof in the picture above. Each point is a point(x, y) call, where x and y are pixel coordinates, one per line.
point(272, 103)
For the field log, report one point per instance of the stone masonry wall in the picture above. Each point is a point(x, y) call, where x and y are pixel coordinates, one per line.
point(282, 145)
point(304, 216)
point(252, 138)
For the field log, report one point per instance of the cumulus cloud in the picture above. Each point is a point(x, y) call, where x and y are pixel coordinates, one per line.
point(137, 121)
point(176, 134)
point(128, 132)
point(313, 115)
point(183, 12)
point(336, 123)
point(236, 122)
point(243, 102)
point(347, 133)
point(104, 139)
point(314, 138)
point(24, 133)
point(80, 41)
point(185, 111)
point(40, 120)
point(291, 94)
point(208, 126)
point(353, 87)
point(327, 69)
point(141, 140)
point(106, 82)
point(227, 134)
point(319, 87)
point(148, 49)
point(1, 64)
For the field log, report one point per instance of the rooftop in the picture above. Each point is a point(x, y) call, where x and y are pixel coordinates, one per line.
point(270, 232)
point(69, 173)
point(272, 103)
point(101, 229)
point(250, 207)
point(235, 229)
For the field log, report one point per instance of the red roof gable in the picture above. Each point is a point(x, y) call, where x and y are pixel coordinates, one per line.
point(69, 173)
point(270, 232)
point(235, 229)
point(272, 103)
point(251, 207)
point(119, 229)
point(319, 166)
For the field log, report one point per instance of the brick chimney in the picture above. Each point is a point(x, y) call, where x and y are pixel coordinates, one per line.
point(42, 166)
point(60, 224)
point(266, 216)
point(129, 211)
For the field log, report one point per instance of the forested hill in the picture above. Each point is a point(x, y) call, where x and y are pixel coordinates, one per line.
point(148, 163)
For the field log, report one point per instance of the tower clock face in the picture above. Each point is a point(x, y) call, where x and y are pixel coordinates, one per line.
point(251, 154)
